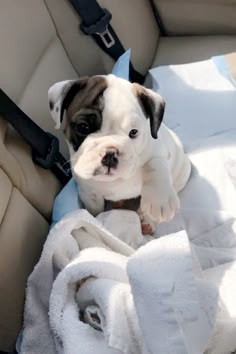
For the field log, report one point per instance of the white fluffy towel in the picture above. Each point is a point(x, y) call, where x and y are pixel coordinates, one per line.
point(92, 293)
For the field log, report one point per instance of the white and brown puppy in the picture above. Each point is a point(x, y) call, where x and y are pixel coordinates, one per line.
point(119, 149)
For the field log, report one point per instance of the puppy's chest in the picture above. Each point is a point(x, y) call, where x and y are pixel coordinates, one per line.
point(124, 189)
point(116, 190)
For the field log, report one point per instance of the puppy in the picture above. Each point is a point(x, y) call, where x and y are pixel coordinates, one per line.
point(118, 147)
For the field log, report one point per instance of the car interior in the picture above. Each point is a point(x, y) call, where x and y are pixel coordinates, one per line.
point(41, 43)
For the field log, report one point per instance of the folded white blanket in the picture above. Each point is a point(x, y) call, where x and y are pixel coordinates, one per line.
point(106, 300)
point(60, 249)
point(171, 294)
point(109, 299)
point(201, 109)
point(223, 277)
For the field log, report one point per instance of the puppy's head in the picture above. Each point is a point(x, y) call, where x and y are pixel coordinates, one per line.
point(108, 123)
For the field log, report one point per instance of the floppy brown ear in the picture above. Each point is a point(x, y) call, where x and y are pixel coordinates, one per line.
point(153, 106)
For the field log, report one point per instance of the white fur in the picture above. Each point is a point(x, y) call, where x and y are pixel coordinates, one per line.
point(56, 95)
point(155, 169)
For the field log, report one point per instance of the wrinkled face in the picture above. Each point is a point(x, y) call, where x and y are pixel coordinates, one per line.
point(108, 124)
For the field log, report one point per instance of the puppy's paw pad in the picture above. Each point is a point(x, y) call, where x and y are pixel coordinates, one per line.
point(147, 229)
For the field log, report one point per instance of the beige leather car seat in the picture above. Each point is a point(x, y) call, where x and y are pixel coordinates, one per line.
point(40, 44)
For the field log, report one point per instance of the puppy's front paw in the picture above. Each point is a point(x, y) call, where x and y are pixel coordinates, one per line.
point(147, 225)
point(159, 205)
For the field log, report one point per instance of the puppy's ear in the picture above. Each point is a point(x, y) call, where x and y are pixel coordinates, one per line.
point(61, 94)
point(153, 106)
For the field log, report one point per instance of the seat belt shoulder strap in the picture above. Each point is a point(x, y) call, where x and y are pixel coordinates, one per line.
point(96, 23)
point(45, 146)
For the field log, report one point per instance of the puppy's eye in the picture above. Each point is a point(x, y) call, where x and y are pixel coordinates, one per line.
point(133, 133)
point(82, 128)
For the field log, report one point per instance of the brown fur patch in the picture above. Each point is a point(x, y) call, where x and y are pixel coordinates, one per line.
point(144, 100)
point(87, 101)
point(88, 95)
point(152, 109)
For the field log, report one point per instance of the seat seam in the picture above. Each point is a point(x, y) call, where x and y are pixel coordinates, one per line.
point(33, 70)
point(17, 162)
point(59, 37)
point(22, 193)
point(9, 199)
point(25, 181)
point(155, 54)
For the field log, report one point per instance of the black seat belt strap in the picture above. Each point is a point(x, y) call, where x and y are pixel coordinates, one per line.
point(96, 23)
point(45, 146)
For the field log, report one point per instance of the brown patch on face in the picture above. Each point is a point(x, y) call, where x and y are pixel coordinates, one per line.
point(88, 95)
point(152, 109)
point(84, 111)
point(140, 93)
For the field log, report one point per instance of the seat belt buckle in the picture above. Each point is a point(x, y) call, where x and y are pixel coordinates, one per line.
point(107, 38)
point(54, 160)
point(101, 29)
point(48, 161)
point(63, 168)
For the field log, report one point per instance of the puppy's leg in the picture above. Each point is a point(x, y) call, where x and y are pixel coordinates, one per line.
point(147, 225)
point(159, 199)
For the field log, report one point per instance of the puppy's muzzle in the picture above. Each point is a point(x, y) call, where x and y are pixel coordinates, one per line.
point(110, 159)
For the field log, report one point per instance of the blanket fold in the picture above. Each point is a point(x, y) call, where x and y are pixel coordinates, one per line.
point(60, 249)
point(185, 318)
point(101, 296)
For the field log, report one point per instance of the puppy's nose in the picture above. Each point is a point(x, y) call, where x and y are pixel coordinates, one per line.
point(110, 160)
